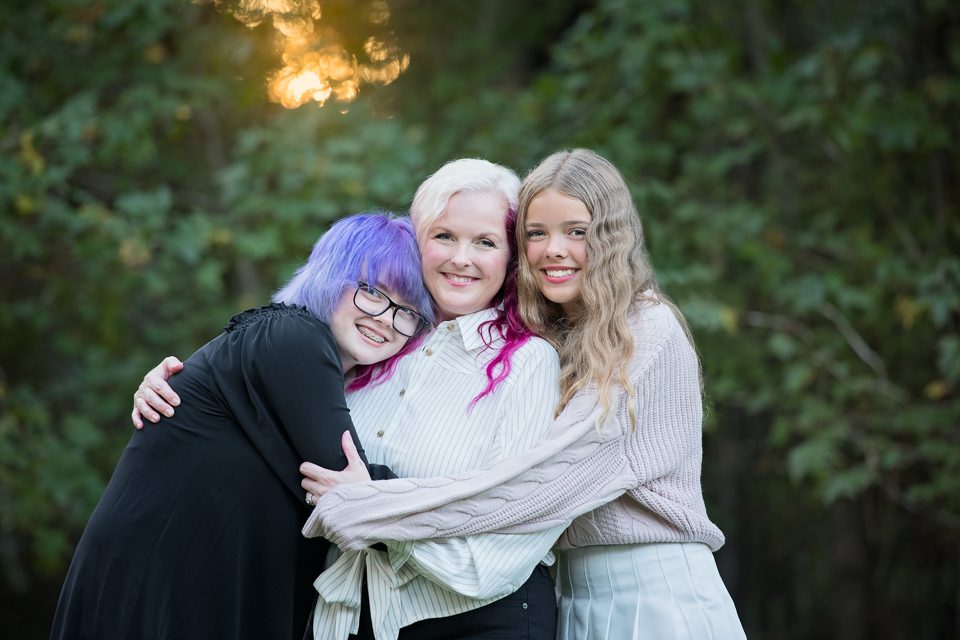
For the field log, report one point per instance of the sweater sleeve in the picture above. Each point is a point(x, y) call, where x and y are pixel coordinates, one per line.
point(575, 469)
point(490, 565)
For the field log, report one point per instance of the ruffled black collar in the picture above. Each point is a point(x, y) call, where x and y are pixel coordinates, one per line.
point(273, 309)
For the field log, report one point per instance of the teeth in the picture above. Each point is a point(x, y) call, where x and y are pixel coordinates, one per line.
point(371, 335)
point(455, 278)
point(560, 273)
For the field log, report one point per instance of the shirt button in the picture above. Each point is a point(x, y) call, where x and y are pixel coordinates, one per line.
point(402, 391)
point(429, 352)
point(380, 433)
point(450, 327)
point(524, 605)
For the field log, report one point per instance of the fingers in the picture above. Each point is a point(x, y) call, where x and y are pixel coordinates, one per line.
point(155, 386)
point(166, 392)
point(350, 450)
point(317, 480)
point(316, 490)
point(316, 475)
point(141, 407)
point(152, 401)
point(170, 365)
point(356, 470)
point(315, 487)
point(159, 387)
point(135, 416)
point(310, 470)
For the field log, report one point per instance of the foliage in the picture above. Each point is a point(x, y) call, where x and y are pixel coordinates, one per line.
point(798, 180)
point(795, 165)
point(146, 202)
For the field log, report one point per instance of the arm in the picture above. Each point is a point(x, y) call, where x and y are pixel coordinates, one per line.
point(576, 469)
point(509, 497)
point(155, 396)
point(481, 566)
point(484, 565)
point(488, 565)
point(292, 373)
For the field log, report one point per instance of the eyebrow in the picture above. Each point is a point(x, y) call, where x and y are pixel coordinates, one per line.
point(564, 223)
point(500, 235)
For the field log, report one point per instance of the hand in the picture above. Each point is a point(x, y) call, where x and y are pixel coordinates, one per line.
point(154, 394)
point(318, 480)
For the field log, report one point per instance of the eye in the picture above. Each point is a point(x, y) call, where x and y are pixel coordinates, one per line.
point(533, 234)
point(487, 243)
point(370, 292)
point(578, 232)
point(408, 314)
point(443, 235)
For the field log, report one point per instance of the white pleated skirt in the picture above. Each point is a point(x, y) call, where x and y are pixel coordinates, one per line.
point(656, 591)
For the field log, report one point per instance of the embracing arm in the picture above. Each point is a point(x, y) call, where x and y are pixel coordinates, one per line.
point(292, 373)
point(297, 374)
point(574, 470)
point(155, 396)
point(488, 565)
point(510, 497)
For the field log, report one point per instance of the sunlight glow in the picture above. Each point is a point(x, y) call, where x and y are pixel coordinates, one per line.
point(316, 64)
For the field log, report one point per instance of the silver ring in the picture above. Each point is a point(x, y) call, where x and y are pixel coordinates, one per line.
point(309, 499)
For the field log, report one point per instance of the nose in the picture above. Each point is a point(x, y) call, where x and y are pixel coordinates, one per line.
point(385, 319)
point(461, 259)
point(556, 248)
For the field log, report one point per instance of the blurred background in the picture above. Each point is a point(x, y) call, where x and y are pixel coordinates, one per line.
point(795, 164)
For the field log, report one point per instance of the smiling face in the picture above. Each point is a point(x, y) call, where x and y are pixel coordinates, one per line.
point(555, 229)
point(464, 253)
point(361, 338)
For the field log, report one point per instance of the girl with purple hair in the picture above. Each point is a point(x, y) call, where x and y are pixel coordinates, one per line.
point(480, 388)
point(197, 534)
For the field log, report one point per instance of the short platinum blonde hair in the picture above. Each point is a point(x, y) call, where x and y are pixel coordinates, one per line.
point(466, 174)
point(430, 203)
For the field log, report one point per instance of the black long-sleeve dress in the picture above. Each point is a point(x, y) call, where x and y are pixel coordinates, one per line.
point(198, 532)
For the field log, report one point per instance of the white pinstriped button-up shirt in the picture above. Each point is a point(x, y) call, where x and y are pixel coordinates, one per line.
point(419, 422)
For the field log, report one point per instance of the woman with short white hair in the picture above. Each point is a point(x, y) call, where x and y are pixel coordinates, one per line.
point(481, 387)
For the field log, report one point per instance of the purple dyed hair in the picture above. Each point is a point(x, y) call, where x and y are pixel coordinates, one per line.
point(378, 247)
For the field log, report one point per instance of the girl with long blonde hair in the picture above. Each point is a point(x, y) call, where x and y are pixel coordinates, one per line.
point(596, 327)
point(620, 464)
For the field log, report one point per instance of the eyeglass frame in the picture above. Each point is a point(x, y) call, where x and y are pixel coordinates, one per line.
point(390, 305)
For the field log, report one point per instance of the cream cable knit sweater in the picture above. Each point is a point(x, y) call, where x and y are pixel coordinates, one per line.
point(616, 485)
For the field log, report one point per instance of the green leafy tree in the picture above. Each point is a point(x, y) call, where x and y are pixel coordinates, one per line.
point(795, 165)
point(797, 170)
point(148, 194)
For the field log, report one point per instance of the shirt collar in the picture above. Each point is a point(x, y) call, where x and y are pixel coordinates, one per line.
point(469, 328)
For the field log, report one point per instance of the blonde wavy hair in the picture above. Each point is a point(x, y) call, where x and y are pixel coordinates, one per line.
point(595, 343)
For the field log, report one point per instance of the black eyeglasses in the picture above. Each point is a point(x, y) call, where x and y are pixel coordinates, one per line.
point(374, 302)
